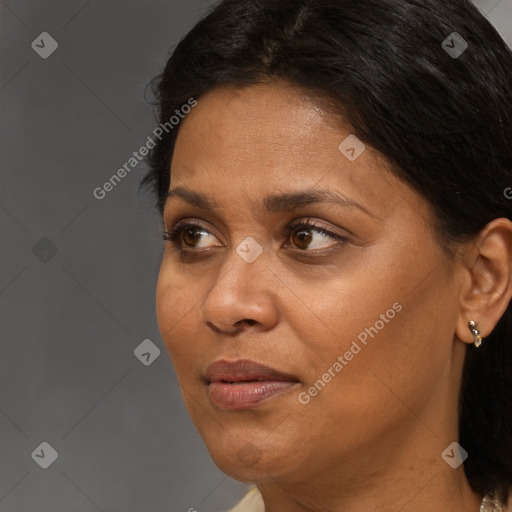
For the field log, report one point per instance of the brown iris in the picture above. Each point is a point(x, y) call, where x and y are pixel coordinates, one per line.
point(193, 233)
point(302, 236)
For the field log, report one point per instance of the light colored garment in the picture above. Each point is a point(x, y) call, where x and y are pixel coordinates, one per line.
point(253, 502)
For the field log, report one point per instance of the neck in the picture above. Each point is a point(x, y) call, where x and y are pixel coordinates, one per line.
point(435, 492)
point(428, 484)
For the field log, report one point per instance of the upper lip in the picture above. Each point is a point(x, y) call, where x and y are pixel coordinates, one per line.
point(244, 370)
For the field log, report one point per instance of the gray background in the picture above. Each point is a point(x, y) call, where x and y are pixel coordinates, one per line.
point(78, 274)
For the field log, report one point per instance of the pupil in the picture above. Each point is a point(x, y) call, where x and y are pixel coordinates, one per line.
point(194, 236)
point(304, 237)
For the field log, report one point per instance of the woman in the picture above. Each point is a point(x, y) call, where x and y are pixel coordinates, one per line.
point(335, 288)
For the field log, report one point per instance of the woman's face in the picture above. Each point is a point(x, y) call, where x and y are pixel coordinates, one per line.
point(360, 323)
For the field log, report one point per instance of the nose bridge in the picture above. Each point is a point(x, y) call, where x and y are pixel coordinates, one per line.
point(247, 253)
point(242, 267)
point(239, 291)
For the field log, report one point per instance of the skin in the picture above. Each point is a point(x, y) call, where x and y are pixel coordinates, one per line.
point(372, 438)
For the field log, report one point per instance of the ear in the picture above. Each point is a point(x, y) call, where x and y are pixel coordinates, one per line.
point(487, 279)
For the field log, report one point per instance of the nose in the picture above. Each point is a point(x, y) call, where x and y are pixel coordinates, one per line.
point(243, 296)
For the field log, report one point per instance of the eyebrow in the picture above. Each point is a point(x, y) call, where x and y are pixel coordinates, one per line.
point(275, 203)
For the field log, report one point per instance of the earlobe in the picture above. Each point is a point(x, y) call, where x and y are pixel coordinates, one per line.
point(488, 282)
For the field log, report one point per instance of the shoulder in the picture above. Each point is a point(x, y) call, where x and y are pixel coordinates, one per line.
point(251, 502)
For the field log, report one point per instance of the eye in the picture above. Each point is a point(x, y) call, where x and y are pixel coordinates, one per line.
point(304, 235)
point(189, 232)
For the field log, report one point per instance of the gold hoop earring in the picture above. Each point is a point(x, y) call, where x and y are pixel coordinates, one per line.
point(476, 333)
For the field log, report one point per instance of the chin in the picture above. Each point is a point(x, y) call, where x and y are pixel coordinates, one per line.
point(246, 465)
point(243, 454)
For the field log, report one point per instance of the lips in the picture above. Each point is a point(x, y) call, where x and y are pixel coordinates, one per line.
point(244, 384)
point(244, 370)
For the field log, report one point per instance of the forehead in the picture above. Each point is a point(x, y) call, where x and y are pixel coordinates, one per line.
point(271, 122)
point(270, 137)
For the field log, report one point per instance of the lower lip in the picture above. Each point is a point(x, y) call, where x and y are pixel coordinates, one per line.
point(245, 395)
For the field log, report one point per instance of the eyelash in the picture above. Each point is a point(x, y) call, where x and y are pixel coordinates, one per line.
point(174, 235)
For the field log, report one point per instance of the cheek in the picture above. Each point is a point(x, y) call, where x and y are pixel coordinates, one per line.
point(352, 308)
point(394, 352)
point(175, 303)
point(376, 325)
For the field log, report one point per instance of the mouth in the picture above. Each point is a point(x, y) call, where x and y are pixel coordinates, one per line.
point(245, 384)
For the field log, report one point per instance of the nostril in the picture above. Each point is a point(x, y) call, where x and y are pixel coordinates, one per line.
point(248, 321)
